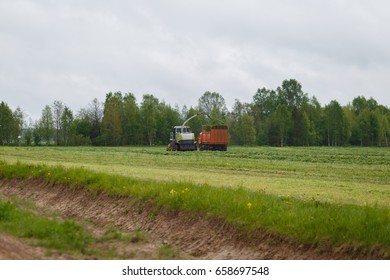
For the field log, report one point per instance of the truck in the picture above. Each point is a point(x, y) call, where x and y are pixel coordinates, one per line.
point(213, 137)
point(181, 138)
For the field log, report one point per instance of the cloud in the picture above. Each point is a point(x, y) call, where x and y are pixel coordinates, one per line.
point(74, 51)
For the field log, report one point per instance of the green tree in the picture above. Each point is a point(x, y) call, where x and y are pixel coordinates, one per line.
point(383, 115)
point(369, 127)
point(291, 95)
point(366, 128)
point(282, 121)
point(112, 119)
point(29, 132)
point(149, 109)
point(81, 130)
point(37, 133)
point(57, 111)
point(18, 117)
point(264, 104)
point(8, 125)
point(234, 115)
point(245, 130)
point(131, 121)
point(336, 124)
point(167, 118)
point(45, 128)
point(312, 113)
point(66, 125)
point(94, 114)
point(359, 104)
point(212, 104)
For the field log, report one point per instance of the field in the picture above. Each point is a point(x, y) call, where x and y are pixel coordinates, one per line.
point(311, 195)
point(339, 175)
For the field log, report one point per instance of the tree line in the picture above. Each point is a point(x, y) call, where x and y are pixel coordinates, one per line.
point(285, 116)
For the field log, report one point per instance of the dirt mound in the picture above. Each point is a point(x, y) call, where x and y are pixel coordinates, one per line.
point(196, 236)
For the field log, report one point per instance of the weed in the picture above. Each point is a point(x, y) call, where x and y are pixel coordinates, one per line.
point(111, 234)
point(138, 236)
point(6, 209)
point(168, 252)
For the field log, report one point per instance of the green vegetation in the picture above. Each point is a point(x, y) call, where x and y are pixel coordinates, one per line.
point(280, 117)
point(39, 227)
point(51, 233)
point(315, 195)
point(352, 175)
point(168, 252)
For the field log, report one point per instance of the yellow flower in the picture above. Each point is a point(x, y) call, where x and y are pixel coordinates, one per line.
point(172, 192)
point(249, 205)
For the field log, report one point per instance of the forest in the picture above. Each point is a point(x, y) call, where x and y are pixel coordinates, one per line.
point(285, 116)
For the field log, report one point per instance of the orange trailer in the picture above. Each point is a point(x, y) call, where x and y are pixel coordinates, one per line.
point(213, 138)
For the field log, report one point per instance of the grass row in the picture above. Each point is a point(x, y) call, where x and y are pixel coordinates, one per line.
point(309, 220)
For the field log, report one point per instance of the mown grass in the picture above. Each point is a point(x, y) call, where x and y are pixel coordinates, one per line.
point(354, 175)
point(309, 220)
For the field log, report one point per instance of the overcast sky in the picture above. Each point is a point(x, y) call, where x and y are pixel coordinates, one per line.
point(77, 50)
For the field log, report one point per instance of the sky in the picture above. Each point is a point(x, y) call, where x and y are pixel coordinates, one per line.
point(78, 50)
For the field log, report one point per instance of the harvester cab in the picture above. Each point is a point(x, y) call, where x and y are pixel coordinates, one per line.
point(182, 139)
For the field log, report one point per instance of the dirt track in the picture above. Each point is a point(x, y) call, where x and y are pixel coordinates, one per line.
point(197, 237)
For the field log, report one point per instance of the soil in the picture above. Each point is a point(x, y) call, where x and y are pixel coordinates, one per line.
point(195, 236)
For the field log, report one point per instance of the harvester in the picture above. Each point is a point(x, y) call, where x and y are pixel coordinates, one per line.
point(181, 138)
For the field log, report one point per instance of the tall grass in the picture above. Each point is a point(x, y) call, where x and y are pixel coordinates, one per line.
point(309, 220)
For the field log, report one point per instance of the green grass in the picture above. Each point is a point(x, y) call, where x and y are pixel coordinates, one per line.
point(39, 227)
point(168, 252)
point(352, 175)
point(309, 219)
point(51, 233)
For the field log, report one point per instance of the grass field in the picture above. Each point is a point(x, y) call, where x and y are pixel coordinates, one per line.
point(355, 175)
point(314, 195)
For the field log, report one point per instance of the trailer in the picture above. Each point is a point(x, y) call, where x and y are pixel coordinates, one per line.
point(213, 138)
